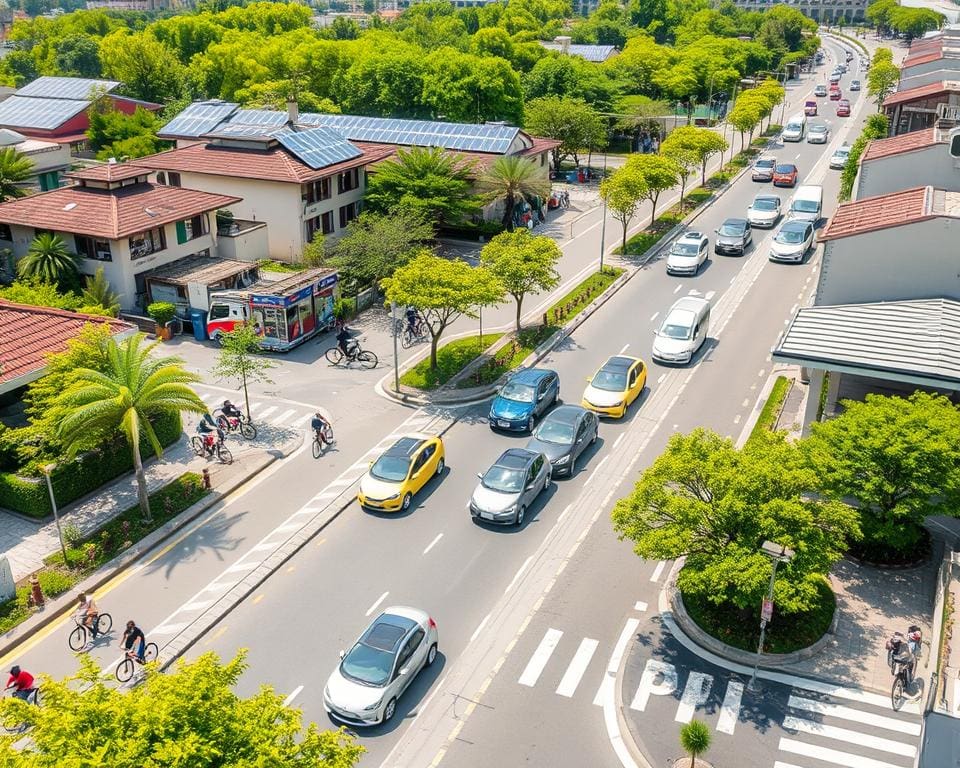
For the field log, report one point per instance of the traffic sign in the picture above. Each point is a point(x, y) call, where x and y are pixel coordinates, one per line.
point(766, 611)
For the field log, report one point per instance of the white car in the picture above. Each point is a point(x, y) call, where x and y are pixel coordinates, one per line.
point(365, 686)
point(818, 133)
point(687, 254)
point(839, 158)
point(793, 241)
point(764, 211)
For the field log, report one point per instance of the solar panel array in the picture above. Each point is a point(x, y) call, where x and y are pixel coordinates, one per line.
point(318, 147)
point(495, 139)
point(27, 112)
point(65, 87)
point(228, 130)
point(268, 117)
point(199, 118)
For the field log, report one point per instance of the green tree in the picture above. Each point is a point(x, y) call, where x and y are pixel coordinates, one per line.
point(510, 179)
point(624, 191)
point(133, 388)
point(443, 290)
point(875, 128)
point(156, 724)
point(695, 740)
point(575, 124)
point(523, 263)
point(78, 55)
point(659, 174)
point(239, 359)
point(701, 142)
point(428, 180)
point(915, 22)
point(882, 79)
point(48, 259)
point(899, 458)
point(716, 505)
point(148, 69)
point(878, 13)
point(116, 134)
point(685, 156)
point(15, 169)
point(35, 292)
point(744, 117)
point(97, 293)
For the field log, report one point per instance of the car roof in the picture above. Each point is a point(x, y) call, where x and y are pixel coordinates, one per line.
point(406, 446)
point(565, 414)
point(619, 364)
point(795, 224)
point(692, 235)
point(762, 196)
point(689, 304)
point(766, 159)
point(818, 126)
point(387, 632)
point(786, 165)
point(515, 458)
point(734, 220)
point(531, 375)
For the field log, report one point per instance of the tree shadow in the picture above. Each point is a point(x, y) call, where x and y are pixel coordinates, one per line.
point(213, 536)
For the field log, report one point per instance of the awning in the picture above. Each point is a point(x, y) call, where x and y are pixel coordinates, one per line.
point(205, 270)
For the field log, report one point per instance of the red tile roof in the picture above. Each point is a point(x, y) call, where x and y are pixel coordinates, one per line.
point(111, 214)
point(275, 164)
point(923, 52)
point(109, 172)
point(921, 92)
point(905, 142)
point(880, 212)
point(29, 334)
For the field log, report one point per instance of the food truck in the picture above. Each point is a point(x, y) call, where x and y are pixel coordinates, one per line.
point(283, 312)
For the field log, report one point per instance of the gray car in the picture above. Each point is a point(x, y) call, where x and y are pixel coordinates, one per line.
point(510, 486)
point(733, 236)
point(563, 435)
point(818, 133)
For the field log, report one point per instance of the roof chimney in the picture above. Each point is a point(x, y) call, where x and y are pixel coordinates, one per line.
point(293, 111)
point(564, 42)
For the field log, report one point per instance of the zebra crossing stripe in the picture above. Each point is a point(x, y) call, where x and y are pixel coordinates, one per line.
point(267, 411)
point(303, 420)
point(283, 416)
point(835, 756)
point(851, 737)
point(856, 715)
point(614, 664)
point(581, 659)
point(540, 657)
point(778, 764)
point(730, 708)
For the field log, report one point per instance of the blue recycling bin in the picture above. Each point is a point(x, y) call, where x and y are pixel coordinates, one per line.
point(572, 177)
point(198, 319)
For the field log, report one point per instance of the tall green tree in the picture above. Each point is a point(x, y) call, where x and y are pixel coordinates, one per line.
point(78, 55)
point(97, 293)
point(523, 263)
point(241, 361)
point(15, 169)
point(148, 69)
point(659, 173)
point(84, 719)
point(427, 180)
point(882, 79)
point(745, 118)
point(898, 458)
point(703, 143)
point(50, 260)
point(684, 155)
point(624, 191)
point(576, 125)
point(443, 290)
point(133, 388)
point(704, 499)
point(695, 740)
point(510, 179)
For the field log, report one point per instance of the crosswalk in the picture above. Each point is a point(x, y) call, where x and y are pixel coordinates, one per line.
point(273, 411)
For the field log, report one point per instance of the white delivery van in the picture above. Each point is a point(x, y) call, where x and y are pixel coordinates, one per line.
point(796, 128)
point(807, 203)
point(682, 332)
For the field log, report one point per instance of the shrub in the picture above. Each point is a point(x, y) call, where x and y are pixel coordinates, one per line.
point(55, 582)
point(162, 312)
point(71, 535)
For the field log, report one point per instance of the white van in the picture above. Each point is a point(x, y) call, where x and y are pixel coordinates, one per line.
point(796, 128)
point(807, 203)
point(683, 331)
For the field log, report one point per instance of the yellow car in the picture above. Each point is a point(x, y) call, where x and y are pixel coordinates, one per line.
point(617, 384)
point(401, 471)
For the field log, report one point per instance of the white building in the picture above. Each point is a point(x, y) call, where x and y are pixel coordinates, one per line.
point(50, 159)
point(918, 155)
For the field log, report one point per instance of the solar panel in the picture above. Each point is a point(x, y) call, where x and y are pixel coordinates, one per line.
point(239, 131)
point(269, 117)
point(318, 147)
point(26, 112)
point(65, 87)
point(199, 118)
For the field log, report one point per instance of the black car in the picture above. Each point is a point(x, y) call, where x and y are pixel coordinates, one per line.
point(733, 236)
point(563, 435)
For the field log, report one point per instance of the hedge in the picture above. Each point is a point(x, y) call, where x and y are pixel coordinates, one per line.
point(29, 496)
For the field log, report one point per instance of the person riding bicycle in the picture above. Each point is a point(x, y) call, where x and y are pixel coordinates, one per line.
point(230, 410)
point(22, 683)
point(206, 428)
point(413, 321)
point(133, 634)
point(343, 341)
point(87, 613)
point(904, 654)
point(319, 426)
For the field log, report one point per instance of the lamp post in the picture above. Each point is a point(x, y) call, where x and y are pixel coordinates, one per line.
point(47, 470)
point(779, 554)
point(710, 98)
point(396, 354)
point(603, 222)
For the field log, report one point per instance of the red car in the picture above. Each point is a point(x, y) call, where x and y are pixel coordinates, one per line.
point(785, 175)
point(843, 108)
point(835, 94)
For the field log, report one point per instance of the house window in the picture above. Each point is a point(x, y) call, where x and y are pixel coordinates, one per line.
point(161, 177)
point(316, 191)
point(5, 233)
point(173, 179)
point(144, 243)
point(191, 228)
point(348, 213)
point(92, 248)
point(348, 180)
point(326, 222)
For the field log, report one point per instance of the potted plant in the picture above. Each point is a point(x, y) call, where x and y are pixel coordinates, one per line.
point(162, 313)
point(224, 221)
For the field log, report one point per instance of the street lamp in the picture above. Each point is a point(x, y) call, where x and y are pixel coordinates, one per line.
point(779, 554)
point(603, 223)
point(396, 352)
point(47, 470)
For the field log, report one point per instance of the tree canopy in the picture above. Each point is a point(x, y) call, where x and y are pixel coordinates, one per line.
point(658, 172)
point(624, 191)
point(575, 124)
point(523, 263)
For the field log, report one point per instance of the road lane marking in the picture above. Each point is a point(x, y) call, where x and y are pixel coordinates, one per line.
point(850, 737)
point(581, 660)
point(856, 715)
point(541, 656)
point(709, 295)
point(640, 606)
point(677, 289)
point(624, 349)
point(745, 403)
point(730, 709)
point(373, 607)
point(617, 441)
point(662, 377)
point(606, 687)
point(293, 694)
point(564, 513)
point(658, 571)
point(198, 605)
point(433, 543)
point(597, 469)
point(695, 693)
point(736, 419)
point(479, 628)
point(518, 574)
point(169, 629)
point(258, 598)
point(267, 411)
point(832, 755)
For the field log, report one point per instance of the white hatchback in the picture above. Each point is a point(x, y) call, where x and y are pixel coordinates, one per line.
point(764, 211)
point(687, 254)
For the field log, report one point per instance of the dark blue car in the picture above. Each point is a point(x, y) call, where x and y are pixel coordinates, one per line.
point(523, 399)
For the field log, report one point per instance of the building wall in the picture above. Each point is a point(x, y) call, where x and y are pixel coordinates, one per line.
point(932, 166)
point(820, 10)
point(938, 75)
point(918, 115)
point(916, 261)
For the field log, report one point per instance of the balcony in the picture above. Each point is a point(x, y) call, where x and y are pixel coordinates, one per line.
point(242, 240)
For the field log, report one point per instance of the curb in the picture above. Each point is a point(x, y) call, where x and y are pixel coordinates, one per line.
point(629, 740)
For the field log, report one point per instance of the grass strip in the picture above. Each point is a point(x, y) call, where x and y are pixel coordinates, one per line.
point(771, 408)
point(509, 357)
point(451, 359)
point(578, 297)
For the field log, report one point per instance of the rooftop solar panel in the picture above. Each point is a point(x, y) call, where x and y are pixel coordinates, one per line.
point(65, 87)
point(318, 147)
point(241, 131)
point(269, 117)
point(47, 114)
point(198, 119)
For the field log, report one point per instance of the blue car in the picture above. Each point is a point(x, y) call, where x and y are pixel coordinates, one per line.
point(523, 399)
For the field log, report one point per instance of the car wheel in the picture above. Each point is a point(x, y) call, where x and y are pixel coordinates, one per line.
point(530, 424)
point(432, 655)
point(518, 520)
point(406, 502)
point(389, 710)
point(440, 467)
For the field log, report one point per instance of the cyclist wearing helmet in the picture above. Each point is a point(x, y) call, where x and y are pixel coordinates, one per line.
point(22, 683)
point(230, 410)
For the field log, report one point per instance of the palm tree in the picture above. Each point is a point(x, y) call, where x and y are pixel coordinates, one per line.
point(133, 388)
point(49, 260)
point(512, 178)
point(14, 170)
point(695, 739)
point(97, 293)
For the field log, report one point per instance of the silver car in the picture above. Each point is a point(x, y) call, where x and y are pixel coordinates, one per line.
point(510, 486)
point(839, 158)
point(687, 254)
point(763, 169)
point(364, 688)
point(818, 133)
point(764, 211)
point(793, 241)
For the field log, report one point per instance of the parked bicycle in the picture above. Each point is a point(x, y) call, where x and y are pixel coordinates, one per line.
point(78, 637)
point(238, 423)
point(11, 722)
point(127, 667)
point(212, 445)
point(355, 353)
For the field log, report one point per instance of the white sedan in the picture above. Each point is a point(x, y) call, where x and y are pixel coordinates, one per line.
point(793, 241)
point(839, 158)
point(687, 254)
point(764, 211)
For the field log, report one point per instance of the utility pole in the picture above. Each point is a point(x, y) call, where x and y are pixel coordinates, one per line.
point(603, 223)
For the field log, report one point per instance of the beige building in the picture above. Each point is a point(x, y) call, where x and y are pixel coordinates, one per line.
point(921, 154)
point(50, 159)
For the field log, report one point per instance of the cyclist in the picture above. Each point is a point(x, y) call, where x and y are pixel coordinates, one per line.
point(319, 425)
point(230, 410)
point(22, 683)
point(133, 634)
point(413, 321)
point(904, 654)
point(87, 613)
point(343, 341)
point(206, 429)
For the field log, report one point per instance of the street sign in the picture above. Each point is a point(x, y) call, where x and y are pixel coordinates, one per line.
point(766, 611)
point(8, 587)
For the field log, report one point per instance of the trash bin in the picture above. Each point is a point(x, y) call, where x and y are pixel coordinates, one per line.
point(572, 177)
point(198, 319)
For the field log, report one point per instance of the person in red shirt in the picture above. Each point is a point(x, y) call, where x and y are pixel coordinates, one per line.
point(22, 683)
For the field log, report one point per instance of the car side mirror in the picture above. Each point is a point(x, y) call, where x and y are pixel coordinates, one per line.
point(480, 475)
point(343, 654)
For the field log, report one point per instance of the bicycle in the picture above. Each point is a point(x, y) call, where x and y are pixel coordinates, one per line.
point(414, 336)
point(78, 637)
point(321, 437)
point(367, 359)
point(202, 447)
point(900, 685)
point(10, 722)
point(128, 666)
point(235, 424)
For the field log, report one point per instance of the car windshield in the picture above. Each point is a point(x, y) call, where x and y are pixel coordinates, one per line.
point(805, 206)
point(675, 330)
point(522, 393)
point(610, 381)
point(841, 153)
point(685, 249)
point(392, 469)
point(555, 432)
point(818, 129)
point(732, 228)
point(367, 666)
point(765, 163)
point(790, 236)
point(764, 204)
point(787, 169)
point(503, 479)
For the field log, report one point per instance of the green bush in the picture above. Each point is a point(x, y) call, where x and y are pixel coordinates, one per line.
point(162, 312)
point(56, 582)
